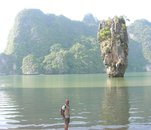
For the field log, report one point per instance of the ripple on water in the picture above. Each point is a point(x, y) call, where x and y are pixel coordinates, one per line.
point(78, 123)
point(78, 117)
point(84, 112)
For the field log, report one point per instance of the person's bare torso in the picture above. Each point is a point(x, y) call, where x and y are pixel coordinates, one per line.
point(67, 112)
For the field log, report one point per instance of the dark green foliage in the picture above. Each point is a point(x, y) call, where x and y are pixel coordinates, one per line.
point(87, 56)
point(136, 58)
point(34, 32)
point(58, 61)
point(49, 37)
point(55, 62)
point(80, 58)
point(104, 34)
point(30, 65)
point(140, 31)
point(50, 44)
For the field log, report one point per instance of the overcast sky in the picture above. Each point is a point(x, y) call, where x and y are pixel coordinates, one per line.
point(73, 9)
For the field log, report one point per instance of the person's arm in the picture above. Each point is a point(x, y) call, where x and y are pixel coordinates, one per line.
point(63, 110)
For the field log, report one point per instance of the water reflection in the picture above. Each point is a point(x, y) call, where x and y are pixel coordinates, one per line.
point(9, 112)
point(115, 107)
point(30, 108)
point(98, 104)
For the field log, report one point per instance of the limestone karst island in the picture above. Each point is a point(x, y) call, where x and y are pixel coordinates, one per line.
point(113, 39)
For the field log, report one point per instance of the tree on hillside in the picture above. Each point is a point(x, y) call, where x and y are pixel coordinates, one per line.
point(30, 65)
point(55, 61)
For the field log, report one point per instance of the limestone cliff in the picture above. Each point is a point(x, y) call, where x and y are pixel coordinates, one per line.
point(113, 39)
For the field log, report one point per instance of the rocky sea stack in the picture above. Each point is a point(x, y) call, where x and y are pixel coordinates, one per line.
point(113, 40)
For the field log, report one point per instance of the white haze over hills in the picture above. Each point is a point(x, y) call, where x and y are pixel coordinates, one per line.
point(73, 9)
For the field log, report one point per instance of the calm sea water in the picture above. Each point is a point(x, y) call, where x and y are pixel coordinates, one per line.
point(96, 102)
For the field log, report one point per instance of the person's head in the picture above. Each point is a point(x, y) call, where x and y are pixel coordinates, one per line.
point(67, 101)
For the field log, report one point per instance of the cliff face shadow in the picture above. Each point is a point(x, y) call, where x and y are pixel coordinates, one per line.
point(115, 106)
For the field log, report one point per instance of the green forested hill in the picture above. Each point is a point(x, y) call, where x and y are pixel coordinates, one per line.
point(140, 32)
point(42, 43)
point(50, 44)
point(34, 30)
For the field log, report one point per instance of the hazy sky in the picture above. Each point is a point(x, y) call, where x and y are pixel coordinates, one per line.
point(73, 9)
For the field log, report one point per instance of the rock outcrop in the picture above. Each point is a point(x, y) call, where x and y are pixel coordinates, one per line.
point(113, 39)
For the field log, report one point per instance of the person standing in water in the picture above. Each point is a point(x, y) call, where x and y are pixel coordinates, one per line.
point(65, 112)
